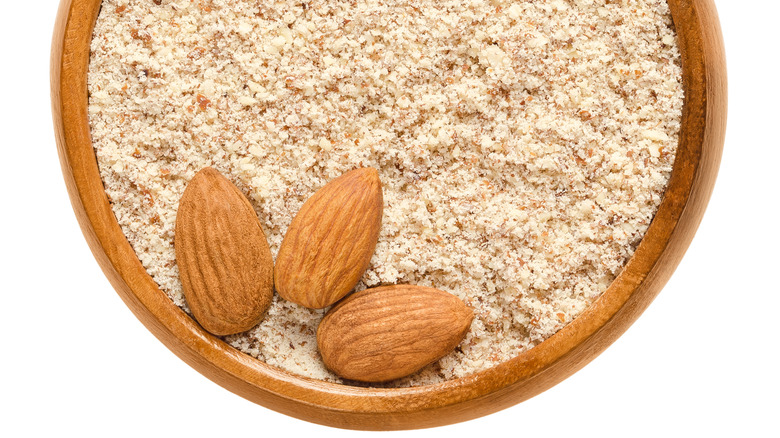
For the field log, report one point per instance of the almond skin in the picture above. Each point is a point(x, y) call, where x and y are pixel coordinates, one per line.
point(329, 243)
point(389, 332)
point(225, 263)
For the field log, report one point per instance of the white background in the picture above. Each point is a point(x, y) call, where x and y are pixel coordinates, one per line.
point(702, 361)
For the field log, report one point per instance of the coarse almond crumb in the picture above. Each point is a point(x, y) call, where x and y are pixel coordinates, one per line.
point(523, 146)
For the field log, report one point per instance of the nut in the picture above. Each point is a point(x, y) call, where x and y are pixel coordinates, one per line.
point(329, 243)
point(389, 332)
point(224, 260)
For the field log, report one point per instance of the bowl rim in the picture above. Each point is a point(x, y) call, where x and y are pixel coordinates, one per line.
point(526, 375)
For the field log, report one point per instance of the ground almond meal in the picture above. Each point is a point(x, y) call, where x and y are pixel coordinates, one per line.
point(523, 145)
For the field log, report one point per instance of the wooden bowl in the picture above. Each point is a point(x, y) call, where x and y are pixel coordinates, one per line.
point(530, 373)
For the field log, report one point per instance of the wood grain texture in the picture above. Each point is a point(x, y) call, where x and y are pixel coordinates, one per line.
point(680, 212)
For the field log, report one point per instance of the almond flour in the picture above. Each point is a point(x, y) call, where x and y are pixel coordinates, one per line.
point(523, 146)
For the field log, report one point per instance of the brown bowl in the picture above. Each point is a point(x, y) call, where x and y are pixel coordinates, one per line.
point(530, 373)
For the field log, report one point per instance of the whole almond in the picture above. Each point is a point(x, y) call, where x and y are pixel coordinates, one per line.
point(389, 332)
point(329, 243)
point(225, 263)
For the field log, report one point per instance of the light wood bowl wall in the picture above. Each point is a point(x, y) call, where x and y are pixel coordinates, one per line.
point(530, 373)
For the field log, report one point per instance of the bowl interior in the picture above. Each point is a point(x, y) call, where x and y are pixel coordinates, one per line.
point(688, 190)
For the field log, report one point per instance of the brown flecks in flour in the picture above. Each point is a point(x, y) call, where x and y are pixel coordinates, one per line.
point(524, 146)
